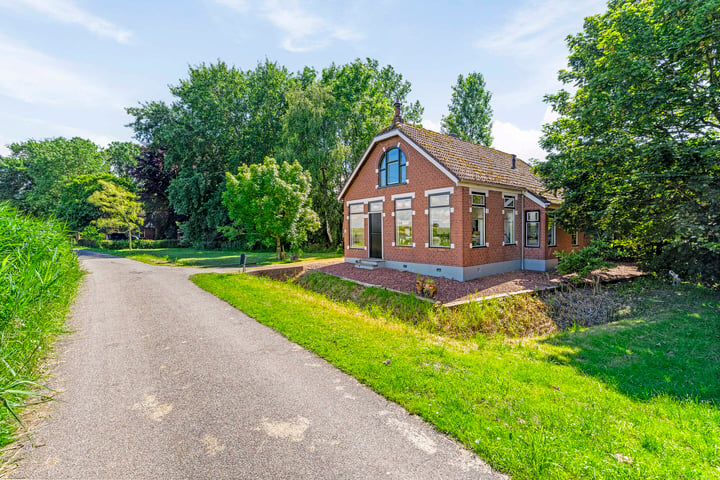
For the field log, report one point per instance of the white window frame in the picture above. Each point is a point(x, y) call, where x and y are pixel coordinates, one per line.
point(356, 216)
point(509, 213)
point(481, 209)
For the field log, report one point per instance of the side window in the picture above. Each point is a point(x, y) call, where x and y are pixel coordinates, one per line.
point(357, 226)
point(509, 220)
point(393, 167)
point(574, 237)
point(532, 228)
point(403, 222)
point(552, 232)
point(478, 219)
point(439, 216)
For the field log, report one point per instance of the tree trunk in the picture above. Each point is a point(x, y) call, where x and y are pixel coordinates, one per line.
point(329, 231)
point(130, 239)
point(278, 247)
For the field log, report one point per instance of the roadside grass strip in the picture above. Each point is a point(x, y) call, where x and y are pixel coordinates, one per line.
point(193, 257)
point(635, 399)
point(39, 276)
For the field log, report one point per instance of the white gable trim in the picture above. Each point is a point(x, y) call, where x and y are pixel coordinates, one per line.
point(384, 136)
point(535, 199)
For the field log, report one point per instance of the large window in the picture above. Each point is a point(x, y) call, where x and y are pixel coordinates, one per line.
point(509, 220)
point(357, 226)
point(532, 228)
point(403, 222)
point(392, 168)
point(552, 232)
point(574, 238)
point(478, 219)
point(439, 212)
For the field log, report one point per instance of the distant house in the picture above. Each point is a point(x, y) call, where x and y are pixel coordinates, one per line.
point(429, 203)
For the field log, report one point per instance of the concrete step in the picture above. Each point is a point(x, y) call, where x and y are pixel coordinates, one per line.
point(369, 264)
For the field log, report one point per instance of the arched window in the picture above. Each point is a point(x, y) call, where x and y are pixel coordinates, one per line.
point(392, 168)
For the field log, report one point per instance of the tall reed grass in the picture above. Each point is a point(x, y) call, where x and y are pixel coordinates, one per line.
point(39, 275)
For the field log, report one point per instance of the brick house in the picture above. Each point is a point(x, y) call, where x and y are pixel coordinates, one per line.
point(429, 203)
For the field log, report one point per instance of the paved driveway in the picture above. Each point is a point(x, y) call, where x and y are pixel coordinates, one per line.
point(162, 380)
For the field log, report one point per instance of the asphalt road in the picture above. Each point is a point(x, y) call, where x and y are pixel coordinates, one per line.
point(160, 379)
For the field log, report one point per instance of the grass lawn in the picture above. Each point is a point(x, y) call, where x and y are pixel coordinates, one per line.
point(192, 257)
point(636, 399)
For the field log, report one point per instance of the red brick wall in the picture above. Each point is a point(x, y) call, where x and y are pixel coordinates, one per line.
point(423, 175)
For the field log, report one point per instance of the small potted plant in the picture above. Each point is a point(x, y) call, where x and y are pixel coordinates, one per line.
point(429, 288)
point(419, 284)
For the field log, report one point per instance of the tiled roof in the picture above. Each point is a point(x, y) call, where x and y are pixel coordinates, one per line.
point(475, 163)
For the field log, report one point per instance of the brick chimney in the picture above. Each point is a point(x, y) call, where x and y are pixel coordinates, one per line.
point(398, 118)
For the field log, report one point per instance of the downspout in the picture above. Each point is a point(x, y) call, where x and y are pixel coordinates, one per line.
point(522, 231)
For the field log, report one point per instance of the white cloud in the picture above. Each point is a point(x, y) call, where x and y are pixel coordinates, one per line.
point(33, 77)
point(66, 11)
point(511, 139)
point(534, 38)
point(431, 125)
point(302, 31)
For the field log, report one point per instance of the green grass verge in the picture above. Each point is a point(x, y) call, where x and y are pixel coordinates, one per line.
point(556, 407)
point(39, 276)
point(192, 257)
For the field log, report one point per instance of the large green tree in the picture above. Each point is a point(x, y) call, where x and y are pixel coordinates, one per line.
point(33, 175)
point(273, 200)
point(120, 209)
point(221, 117)
point(331, 120)
point(635, 149)
point(74, 206)
point(470, 113)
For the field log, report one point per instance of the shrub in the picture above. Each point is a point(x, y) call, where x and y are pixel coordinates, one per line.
point(584, 261)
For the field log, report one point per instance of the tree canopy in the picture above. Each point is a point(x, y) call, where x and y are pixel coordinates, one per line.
point(223, 117)
point(74, 206)
point(273, 201)
point(470, 113)
point(120, 208)
point(33, 175)
point(635, 149)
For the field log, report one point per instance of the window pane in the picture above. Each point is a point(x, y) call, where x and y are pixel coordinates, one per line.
point(402, 203)
point(357, 230)
point(509, 227)
point(375, 207)
point(440, 227)
point(478, 227)
point(551, 232)
point(393, 155)
point(532, 237)
point(478, 200)
point(403, 225)
point(393, 173)
point(403, 175)
point(356, 208)
point(440, 200)
point(509, 202)
point(532, 216)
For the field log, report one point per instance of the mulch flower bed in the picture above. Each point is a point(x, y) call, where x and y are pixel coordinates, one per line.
point(452, 290)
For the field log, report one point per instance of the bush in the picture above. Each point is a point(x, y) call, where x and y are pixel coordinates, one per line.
point(584, 261)
point(123, 244)
point(693, 262)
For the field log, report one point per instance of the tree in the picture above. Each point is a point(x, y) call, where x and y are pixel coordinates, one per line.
point(153, 178)
point(310, 135)
point(74, 206)
point(272, 199)
point(470, 113)
point(122, 159)
point(120, 209)
point(222, 117)
point(33, 176)
point(635, 149)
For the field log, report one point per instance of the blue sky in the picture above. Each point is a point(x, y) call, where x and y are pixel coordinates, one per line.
point(70, 67)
